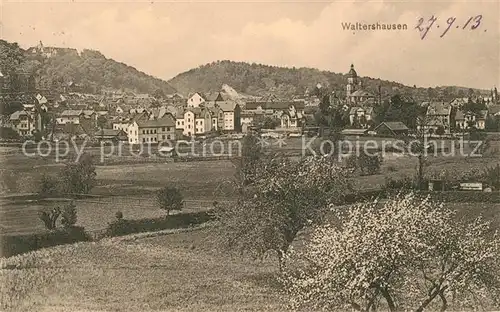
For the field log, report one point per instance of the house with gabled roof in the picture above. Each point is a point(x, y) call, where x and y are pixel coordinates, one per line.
point(391, 128)
point(361, 116)
point(23, 122)
point(439, 114)
point(232, 116)
point(152, 130)
point(465, 120)
point(196, 99)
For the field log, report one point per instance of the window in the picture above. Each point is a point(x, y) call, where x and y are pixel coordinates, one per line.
point(168, 136)
point(168, 128)
point(143, 131)
point(163, 129)
point(154, 131)
point(183, 122)
point(163, 137)
point(136, 132)
point(154, 139)
point(189, 119)
point(143, 139)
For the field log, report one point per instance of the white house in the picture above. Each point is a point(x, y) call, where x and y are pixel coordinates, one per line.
point(197, 120)
point(69, 116)
point(464, 120)
point(195, 100)
point(152, 131)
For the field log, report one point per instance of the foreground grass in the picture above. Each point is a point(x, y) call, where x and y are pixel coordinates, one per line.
point(176, 272)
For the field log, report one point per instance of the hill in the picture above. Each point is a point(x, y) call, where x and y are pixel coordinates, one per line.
point(55, 68)
point(258, 79)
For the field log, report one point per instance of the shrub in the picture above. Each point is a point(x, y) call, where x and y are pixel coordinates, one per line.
point(403, 183)
point(11, 245)
point(49, 218)
point(119, 215)
point(79, 177)
point(123, 226)
point(48, 186)
point(68, 216)
point(364, 163)
point(492, 176)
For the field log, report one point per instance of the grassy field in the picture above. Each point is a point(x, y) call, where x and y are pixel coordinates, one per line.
point(129, 188)
point(184, 271)
point(177, 272)
point(92, 213)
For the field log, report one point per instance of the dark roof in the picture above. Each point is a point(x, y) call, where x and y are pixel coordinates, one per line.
point(394, 126)
point(109, 132)
point(165, 121)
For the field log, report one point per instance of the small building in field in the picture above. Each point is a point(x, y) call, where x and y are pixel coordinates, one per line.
point(391, 128)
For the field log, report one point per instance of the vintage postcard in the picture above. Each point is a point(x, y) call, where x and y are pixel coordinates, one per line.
point(249, 155)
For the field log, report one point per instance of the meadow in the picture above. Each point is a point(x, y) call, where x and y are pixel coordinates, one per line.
point(182, 271)
point(176, 272)
point(130, 187)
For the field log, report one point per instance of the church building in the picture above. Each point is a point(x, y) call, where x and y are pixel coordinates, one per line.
point(355, 95)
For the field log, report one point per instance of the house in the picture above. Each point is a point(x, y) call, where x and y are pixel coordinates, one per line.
point(111, 135)
point(211, 99)
point(459, 102)
point(391, 128)
point(248, 116)
point(23, 122)
point(69, 131)
point(361, 116)
point(197, 121)
point(195, 100)
point(152, 131)
point(465, 120)
point(291, 119)
point(217, 117)
point(439, 114)
point(276, 108)
point(69, 116)
point(121, 125)
point(232, 116)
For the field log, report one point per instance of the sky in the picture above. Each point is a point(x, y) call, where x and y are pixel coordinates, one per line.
point(165, 38)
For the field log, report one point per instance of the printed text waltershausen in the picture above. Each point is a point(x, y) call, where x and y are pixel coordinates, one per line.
point(374, 26)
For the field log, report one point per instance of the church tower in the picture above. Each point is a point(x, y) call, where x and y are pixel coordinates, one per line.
point(352, 82)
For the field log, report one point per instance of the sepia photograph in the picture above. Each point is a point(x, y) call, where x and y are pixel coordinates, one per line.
point(265, 155)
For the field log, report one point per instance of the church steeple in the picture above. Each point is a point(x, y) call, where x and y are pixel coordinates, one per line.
point(352, 82)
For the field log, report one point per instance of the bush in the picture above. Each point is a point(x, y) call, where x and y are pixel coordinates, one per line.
point(11, 245)
point(49, 218)
point(403, 183)
point(123, 226)
point(79, 177)
point(48, 186)
point(364, 163)
point(68, 216)
point(119, 215)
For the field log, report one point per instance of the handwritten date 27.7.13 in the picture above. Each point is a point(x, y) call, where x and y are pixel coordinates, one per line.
point(423, 26)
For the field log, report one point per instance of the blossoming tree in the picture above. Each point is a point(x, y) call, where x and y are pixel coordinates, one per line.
point(284, 197)
point(406, 253)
